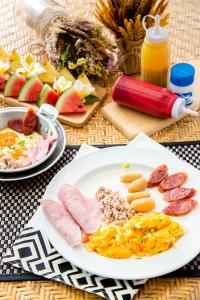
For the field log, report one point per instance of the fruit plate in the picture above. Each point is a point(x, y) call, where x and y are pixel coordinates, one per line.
point(103, 168)
point(75, 120)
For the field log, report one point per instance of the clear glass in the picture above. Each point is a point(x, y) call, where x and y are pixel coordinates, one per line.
point(37, 14)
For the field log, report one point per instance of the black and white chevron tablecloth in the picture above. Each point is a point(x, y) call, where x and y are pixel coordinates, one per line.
point(32, 253)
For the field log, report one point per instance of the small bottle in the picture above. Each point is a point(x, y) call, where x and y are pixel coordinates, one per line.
point(37, 14)
point(149, 98)
point(155, 54)
point(182, 81)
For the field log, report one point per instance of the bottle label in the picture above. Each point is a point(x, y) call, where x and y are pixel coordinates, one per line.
point(187, 97)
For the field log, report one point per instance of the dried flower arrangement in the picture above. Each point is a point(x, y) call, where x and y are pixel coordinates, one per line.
point(124, 19)
point(80, 46)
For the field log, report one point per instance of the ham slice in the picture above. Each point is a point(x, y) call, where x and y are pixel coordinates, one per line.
point(63, 221)
point(43, 148)
point(51, 138)
point(38, 152)
point(87, 212)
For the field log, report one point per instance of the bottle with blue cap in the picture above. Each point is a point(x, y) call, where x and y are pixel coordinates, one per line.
point(155, 54)
point(182, 81)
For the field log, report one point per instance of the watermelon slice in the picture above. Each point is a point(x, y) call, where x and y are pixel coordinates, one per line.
point(31, 90)
point(47, 95)
point(14, 85)
point(70, 102)
point(3, 79)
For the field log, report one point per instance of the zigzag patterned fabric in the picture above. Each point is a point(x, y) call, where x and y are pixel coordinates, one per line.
point(34, 253)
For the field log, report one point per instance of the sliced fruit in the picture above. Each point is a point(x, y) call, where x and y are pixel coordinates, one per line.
point(83, 89)
point(3, 79)
point(47, 95)
point(50, 74)
point(29, 59)
point(4, 56)
point(85, 80)
point(4, 67)
point(66, 73)
point(14, 85)
point(15, 61)
point(31, 90)
point(62, 84)
point(70, 102)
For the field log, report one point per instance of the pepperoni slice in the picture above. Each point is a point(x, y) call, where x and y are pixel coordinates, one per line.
point(179, 193)
point(30, 122)
point(172, 181)
point(157, 176)
point(180, 207)
point(16, 124)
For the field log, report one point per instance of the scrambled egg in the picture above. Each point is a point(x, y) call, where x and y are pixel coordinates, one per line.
point(140, 236)
point(15, 144)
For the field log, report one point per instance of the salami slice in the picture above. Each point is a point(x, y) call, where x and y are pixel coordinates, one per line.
point(173, 181)
point(16, 124)
point(179, 193)
point(180, 207)
point(30, 122)
point(157, 176)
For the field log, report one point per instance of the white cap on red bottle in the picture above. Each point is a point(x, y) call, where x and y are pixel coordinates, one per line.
point(179, 109)
point(157, 33)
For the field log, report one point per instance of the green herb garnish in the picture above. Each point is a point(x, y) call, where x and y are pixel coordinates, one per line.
point(21, 143)
point(90, 99)
point(126, 165)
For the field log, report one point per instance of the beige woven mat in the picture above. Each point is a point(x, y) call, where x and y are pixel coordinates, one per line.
point(185, 31)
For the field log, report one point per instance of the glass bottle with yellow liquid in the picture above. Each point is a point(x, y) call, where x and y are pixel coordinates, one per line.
point(155, 54)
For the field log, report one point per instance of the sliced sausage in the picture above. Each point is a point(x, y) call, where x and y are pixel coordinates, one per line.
point(63, 221)
point(180, 207)
point(30, 122)
point(173, 181)
point(178, 194)
point(16, 124)
point(157, 176)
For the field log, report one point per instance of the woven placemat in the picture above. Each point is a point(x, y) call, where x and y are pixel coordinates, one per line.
point(19, 202)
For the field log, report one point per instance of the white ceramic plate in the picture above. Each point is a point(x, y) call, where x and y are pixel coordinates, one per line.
point(104, 168)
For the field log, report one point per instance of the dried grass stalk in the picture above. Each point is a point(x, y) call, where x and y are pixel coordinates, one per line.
point(124, 18)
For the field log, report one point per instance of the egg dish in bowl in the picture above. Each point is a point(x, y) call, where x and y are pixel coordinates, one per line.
point(26, 139)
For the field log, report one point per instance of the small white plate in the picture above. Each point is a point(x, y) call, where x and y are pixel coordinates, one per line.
point(103, 168)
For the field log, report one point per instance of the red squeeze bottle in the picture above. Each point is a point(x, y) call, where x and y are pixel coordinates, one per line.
point(149, 98)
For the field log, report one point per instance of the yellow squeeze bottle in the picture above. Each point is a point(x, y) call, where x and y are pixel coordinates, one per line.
point(155, 54)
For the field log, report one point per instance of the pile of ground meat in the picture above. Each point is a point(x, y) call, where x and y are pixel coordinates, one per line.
point(116, 210)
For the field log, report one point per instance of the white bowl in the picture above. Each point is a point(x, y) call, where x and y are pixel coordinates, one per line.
point(47, 114)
